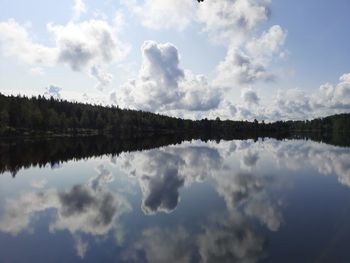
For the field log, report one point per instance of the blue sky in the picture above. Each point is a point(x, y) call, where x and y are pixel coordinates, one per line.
point(237, 59)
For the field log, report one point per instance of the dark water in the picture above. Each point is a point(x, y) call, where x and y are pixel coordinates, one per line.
point(230, 201)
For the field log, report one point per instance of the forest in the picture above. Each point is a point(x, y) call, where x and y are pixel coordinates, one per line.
point(40, 116)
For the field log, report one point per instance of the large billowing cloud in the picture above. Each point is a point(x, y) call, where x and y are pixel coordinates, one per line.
point(222, 19)
point(87, 46)
point(335, 96)
point(249, 63)
point(298, 104)
point(249, 57)
point(232, 23)
point(268, 45)
point(162, 85)
point(239, 68)
point(232, 20)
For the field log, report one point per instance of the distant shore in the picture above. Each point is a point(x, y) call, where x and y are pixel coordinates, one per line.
point(41, 117)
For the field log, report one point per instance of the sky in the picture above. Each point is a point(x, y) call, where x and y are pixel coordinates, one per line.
point(233, 59)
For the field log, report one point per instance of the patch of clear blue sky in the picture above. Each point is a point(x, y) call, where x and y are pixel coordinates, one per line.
point(318, 35)
point(318, 38)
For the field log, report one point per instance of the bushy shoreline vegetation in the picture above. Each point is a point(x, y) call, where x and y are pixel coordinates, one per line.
point(21, 116)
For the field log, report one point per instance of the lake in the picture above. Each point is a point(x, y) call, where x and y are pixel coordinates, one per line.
point(264, 200)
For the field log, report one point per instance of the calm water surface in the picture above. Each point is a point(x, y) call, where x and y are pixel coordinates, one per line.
point(233, 201)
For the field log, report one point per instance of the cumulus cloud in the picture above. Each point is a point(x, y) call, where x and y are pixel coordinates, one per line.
point(232, 20)
point(84, 46)
point(248, 59)
point(226, 20)
point(162, 85)
point(249, 62)
point(335, 96)
point(269, 44)
point(298, 104)
point(239, 68)
point(293, 102)
point(86, 43)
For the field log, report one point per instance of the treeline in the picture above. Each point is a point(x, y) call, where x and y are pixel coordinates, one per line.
point(20, 115)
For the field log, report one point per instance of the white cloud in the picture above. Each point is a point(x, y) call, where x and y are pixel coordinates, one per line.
point(298, 104)
point(232, 20)
point(79, 8)
point(84, 46)
point(16, 40)
point(335, 96)
point(162, 85)
point(249, 62)
point(239, 68)
point(269, 44)
point(87, 44)
point(232, 23)
point(104, 78)
point(224, 20)
point(293, 102)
